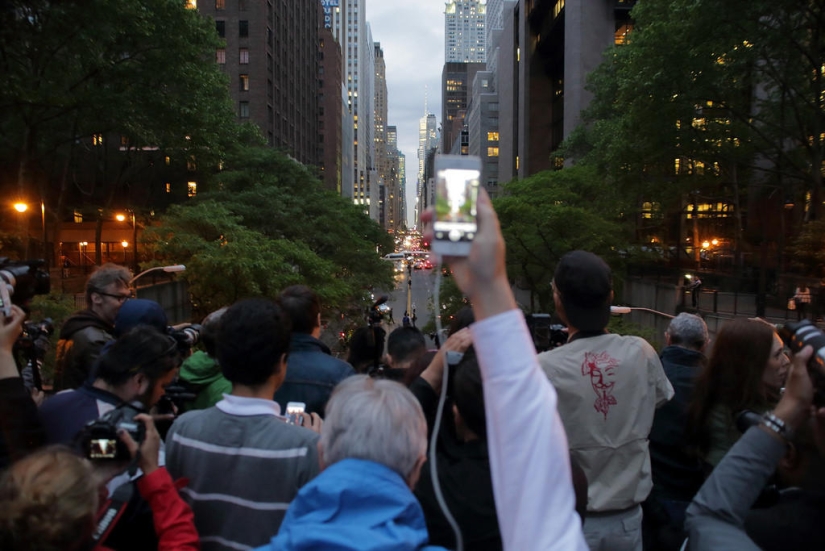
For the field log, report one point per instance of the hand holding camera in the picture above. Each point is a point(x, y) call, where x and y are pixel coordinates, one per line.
point(149, 449)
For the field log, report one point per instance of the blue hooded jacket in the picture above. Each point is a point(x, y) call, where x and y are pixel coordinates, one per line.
point(353, 505)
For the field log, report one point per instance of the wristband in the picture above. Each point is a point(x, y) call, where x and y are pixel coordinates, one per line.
point(777, 425)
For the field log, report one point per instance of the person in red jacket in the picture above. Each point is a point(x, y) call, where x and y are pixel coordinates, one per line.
point(49, 499)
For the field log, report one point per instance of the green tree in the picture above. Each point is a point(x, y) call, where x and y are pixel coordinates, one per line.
point(551, 213)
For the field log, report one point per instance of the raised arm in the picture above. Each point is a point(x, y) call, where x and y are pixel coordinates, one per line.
point(529, 457)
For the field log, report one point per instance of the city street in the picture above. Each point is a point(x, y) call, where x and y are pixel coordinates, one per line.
point(417, 296)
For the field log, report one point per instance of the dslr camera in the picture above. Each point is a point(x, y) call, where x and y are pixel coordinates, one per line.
point(99, 440)
point(20, 281)
point(797, 336)
point(186, 338)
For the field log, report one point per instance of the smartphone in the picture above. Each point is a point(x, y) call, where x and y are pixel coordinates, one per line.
point(456, 197)
point(293, 413)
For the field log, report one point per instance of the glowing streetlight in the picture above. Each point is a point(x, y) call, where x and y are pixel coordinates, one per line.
point(120, 217)
point(124, 244)
point(705, 244)
point(714, 242)
point(21, 207)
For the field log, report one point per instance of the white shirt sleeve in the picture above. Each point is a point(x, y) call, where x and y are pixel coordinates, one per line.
point(529, 456)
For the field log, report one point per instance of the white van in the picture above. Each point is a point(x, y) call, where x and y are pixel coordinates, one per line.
point(394, 256)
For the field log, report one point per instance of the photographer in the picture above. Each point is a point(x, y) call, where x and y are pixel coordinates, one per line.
point(20, 428)
point(134, 369)
point(716, 518)
point(49, 500)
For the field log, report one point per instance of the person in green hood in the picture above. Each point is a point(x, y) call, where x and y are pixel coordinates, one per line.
point(201, 371)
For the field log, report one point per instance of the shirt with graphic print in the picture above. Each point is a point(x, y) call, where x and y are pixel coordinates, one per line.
point(609, 387)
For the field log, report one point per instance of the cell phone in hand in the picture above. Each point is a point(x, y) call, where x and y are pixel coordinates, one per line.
point(293, 413)
point(456, 195)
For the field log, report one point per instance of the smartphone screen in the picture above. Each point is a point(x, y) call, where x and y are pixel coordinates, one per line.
point(293, 413)
point(456, 194)
point(102, 448)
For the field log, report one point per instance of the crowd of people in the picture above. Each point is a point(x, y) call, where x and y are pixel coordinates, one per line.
point(601, 443)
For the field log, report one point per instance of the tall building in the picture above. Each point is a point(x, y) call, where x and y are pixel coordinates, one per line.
point(271, 59)
point(427, 142)
point(381, 160)
point(330, 109)
point(482, 128)
point(456, 92)
point(464, 36)
point(545, 52)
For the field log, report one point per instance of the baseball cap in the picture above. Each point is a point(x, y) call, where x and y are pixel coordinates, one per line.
point(584, 282)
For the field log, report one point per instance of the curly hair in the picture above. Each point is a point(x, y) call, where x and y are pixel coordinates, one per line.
point(48, 502)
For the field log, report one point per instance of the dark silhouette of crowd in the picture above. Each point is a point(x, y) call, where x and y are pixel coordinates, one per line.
point(479, 444)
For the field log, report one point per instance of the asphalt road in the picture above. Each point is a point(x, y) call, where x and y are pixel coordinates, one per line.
point(417, 296)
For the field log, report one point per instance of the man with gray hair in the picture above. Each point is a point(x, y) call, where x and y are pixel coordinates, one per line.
point(373, 444)
point(83, 334)
point(677, 474)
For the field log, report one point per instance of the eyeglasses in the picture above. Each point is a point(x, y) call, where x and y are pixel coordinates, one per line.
point(120, 298)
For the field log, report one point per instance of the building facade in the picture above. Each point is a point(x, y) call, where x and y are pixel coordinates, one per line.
point(464, 35)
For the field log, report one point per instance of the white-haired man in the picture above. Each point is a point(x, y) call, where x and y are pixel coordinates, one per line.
point(372, 447)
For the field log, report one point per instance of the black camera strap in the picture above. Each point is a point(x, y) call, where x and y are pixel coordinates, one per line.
point(111, 512)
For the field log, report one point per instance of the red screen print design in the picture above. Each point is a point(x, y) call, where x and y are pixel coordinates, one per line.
point(602, 371)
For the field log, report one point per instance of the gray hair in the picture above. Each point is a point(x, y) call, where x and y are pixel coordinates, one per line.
point(688, 330)
point(374, 419)
point(104, 276)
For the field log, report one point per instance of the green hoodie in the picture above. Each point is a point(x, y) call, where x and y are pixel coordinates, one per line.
point(204, 374)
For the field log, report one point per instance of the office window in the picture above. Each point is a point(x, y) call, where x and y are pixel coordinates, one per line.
point(492, 136)
point(244, 110)
point(244, 83)
point(220, 56)
point(191, 189)
point(243, 29)
point(492, 152)
point(220, 26)
point(243, 56)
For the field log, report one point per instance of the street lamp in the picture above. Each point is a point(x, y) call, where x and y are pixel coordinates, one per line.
point(124, 244)
point(168, 269)
point(619, 310)
point(121, 218)
point(21, 207)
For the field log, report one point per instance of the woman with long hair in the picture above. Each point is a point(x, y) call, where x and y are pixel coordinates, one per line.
point(746, 371)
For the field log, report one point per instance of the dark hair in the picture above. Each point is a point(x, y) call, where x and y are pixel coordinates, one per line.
point(302, 306)
point(252, 337)
point(418, 367)
point(365, 348)
point(405, 344)
point(733, 376)
point(468, 393)
point(463, 318)
point(209, 331)
point(144, 350)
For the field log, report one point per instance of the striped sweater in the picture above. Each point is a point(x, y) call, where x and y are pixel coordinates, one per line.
point(244, 465)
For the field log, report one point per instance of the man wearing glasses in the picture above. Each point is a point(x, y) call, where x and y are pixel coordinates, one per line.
point(84, 333)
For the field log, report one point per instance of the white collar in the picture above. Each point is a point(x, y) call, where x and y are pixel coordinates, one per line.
point(243, 406)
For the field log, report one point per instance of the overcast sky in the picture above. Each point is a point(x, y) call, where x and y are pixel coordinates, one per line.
point(411, 34)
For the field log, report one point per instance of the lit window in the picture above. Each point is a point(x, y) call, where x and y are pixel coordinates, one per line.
point(220, 56)
point(220, 4)
point(244, 83)
point(168, 187)
point(97, 139)
point(192, 189)
point(492, 136)
point(192, 4)
point(243, 56)
point(492, 152)
point(168, 160)
point(124, 141)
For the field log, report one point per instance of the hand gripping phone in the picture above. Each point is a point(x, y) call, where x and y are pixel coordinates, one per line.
point(456, 196)
point(293, 413)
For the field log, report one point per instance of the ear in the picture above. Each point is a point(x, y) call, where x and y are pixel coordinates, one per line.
point(415, 473)
point(318, 321)
point(142, 382)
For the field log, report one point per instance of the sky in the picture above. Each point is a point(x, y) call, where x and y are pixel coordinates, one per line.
point(411, 34)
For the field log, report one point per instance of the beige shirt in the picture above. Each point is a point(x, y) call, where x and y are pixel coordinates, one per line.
point(609, 387)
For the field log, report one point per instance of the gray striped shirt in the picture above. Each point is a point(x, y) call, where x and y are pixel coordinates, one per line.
point(244, 465)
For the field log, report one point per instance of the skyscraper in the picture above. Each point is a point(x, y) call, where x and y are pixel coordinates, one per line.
point(464, 36)
point(427, 141)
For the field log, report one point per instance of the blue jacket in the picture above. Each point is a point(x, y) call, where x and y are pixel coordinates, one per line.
point(311, 374)
point(353, 504)
point(66, 413)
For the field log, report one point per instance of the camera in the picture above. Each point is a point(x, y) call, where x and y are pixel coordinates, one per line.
point(32, 344)
point(186, 338)
point(797, 336)
point(20, 281)
point(99, 440)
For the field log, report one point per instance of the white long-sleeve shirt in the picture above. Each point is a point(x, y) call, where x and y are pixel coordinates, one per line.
point(529, 456)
